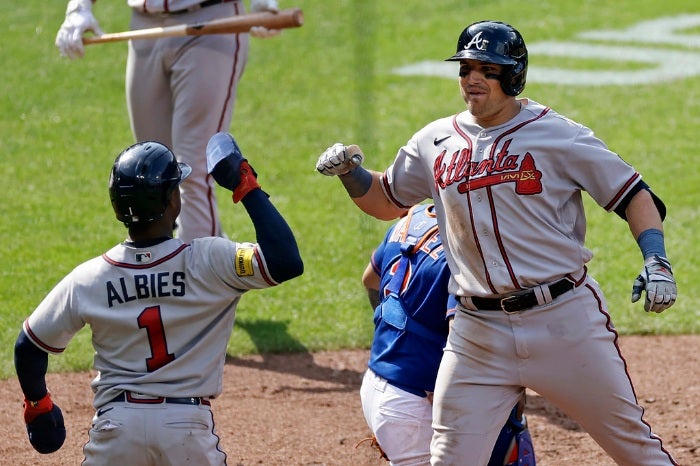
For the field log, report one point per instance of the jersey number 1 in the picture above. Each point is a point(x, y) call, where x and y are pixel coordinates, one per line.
point(150, 320)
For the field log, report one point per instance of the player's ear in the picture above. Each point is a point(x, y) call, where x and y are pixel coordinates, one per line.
point(174, 202)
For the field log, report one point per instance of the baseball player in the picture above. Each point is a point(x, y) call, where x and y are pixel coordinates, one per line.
point(406, 282)
point(506, 176)
point(161, 313)
point(180, 90)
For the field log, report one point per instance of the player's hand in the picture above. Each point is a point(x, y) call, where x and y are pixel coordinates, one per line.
point(45, 426)
point(256, 6)
point(79, 18)
point(230, 169)
point(657, 280)
point(339, 159)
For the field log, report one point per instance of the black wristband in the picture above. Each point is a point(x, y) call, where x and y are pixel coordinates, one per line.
point(357, 181)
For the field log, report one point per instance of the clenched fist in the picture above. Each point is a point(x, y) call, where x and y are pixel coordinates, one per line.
point(657, 280)
point(339, 159)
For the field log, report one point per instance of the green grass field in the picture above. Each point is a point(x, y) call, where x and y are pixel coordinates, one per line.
point(64, 122)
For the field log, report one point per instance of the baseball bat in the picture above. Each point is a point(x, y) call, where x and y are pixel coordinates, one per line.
point(289, 18)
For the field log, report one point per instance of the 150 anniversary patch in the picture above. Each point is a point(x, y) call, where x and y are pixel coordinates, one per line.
point(244, 262)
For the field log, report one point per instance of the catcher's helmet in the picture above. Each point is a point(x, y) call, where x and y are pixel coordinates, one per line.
point(496, 42)
point(142, 179)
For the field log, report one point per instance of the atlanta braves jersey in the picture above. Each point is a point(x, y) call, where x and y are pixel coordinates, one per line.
point(471, 173)
point(161, 316)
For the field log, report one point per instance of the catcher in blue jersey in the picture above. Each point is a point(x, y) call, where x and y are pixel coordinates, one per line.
point(406, 281)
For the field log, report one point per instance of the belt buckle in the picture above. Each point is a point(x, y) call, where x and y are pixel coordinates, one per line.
point(505, 301)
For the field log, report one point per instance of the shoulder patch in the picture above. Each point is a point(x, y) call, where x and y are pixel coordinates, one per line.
point(244, 262)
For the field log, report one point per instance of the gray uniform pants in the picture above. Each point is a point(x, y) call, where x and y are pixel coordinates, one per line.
point(182, 90)
point(566, 351)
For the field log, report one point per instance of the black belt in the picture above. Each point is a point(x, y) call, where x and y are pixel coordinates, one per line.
point(522, 300)
point(129, 398)
point(197, 7)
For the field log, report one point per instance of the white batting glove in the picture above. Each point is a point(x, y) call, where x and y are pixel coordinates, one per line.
point(263, 5)
point(257, 6)
point(337, 160)
point(657, 280)
point(79, 18)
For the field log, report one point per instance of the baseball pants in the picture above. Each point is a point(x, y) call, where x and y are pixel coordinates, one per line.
point(566, 351)
point(401, 421)
point(180, 92)
point(153, 435)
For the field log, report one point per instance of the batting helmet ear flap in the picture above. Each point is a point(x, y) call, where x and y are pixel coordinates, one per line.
point(513, 81)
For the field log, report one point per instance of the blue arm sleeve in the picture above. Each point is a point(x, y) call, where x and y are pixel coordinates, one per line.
point(651, 242)
point(274, 237)
point(31, 364)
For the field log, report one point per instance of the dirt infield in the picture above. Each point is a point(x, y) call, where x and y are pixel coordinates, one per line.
point(304, 409)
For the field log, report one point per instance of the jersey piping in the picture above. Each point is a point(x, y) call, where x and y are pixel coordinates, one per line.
point(127, 265)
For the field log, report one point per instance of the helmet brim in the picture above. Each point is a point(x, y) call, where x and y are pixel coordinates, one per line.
point(185, 171)
point(481, 56)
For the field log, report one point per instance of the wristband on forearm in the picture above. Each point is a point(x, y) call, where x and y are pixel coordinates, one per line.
point(357, 181)
point(651, 242)
point(249, 182)
point(33, 409)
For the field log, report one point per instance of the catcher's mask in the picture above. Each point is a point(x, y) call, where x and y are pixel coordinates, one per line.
point(143, 178)
point(499, 43)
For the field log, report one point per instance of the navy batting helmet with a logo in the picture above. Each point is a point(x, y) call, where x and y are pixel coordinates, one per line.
point(143, 178)
point(496, 42)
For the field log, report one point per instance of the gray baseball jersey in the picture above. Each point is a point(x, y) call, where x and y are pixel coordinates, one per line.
point(471, 173)
point(510, 212)
point(162, 6)
point(161, 316)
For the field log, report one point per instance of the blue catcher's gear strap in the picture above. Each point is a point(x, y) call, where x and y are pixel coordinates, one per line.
point(412, 238)
point(392, 312)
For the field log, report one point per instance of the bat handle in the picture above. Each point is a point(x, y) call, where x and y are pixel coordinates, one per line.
point(355, 158)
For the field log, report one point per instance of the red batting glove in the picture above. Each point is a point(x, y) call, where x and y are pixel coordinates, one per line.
point(249, 182)
point(33, 409)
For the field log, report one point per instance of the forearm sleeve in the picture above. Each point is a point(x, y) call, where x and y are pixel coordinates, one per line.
point(31, 364)
point(274, 236)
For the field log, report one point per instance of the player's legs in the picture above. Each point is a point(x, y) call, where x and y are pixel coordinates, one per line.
point(180, 91)
point(148, 95)
point(575, 364)
point(514, 444)
point(188, 432)
point(147, 435)
point(476, 388)
point(400, 421)
point(204, 86)
point(204, 80)
point(117, 437)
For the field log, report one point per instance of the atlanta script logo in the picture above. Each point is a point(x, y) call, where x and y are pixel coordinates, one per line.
point(503, 168)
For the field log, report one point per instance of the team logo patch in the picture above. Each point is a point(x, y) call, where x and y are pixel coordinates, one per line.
point(244, 262)
point(143, 257)
point(477, 42)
